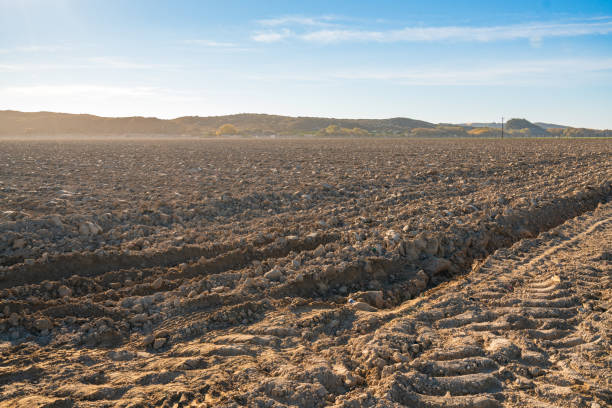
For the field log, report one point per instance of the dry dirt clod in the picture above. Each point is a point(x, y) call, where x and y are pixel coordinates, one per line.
point(363, 306)
point(64, 291)
point(19, 243)
point(148, 339)
point(89, 228)
point(159, 342)
point(157, 283)
point(43, 324)
point(273, 275)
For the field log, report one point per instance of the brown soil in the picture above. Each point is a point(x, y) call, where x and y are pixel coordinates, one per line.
point(305, 273)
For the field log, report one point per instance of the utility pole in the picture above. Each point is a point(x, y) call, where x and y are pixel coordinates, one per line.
point(502, 127)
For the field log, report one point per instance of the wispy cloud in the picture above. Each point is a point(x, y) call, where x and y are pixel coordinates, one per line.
point(87, 92)
point(299, 20)
point(533, 32)
point(211, 43)
point(272, 36)
point(281, 28)
point(511, 73)
point(122, 63)
point(72, 90)
point(35, 48)
point(88, 63)
point(22, 67)
point(215, 46)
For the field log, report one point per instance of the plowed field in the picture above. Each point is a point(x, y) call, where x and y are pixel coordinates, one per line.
point(305, 273)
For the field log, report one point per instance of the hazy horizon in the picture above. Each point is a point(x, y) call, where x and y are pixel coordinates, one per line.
point(441, 62)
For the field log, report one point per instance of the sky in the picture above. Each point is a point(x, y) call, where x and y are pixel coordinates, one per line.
point(439, 61)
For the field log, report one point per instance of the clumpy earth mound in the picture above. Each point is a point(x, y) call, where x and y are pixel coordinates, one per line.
point(305, 273)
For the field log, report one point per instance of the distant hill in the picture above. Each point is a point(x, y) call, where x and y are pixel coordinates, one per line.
point(525, 125)
point(493, 125)
point(550, 125)
point(19, 123)
point(521, 124)
point(497, 125)
point(516, 124)
point(282, 124)
point(14, 123)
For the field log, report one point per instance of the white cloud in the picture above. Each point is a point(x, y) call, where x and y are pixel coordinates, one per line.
point(335, 36)
point(90, 92)
point(122, 63)
point(216, 46)
point(533, 32)
point(88, 63)
point(40, 67)
point(34, 48)
point(211, 43)
point(282, 32)
point(521, 72)
point(78, 90)
point(298, 20)
point(106, 100)
point(272, 36)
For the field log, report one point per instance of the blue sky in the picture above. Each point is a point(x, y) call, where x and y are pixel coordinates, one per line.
point(440, 61)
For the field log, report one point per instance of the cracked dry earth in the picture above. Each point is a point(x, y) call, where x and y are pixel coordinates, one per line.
point(435, 285)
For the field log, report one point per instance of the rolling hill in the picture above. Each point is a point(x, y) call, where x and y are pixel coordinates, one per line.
point(525, 126)
point(15, 123)
point(550, 125)
point(50, 123)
